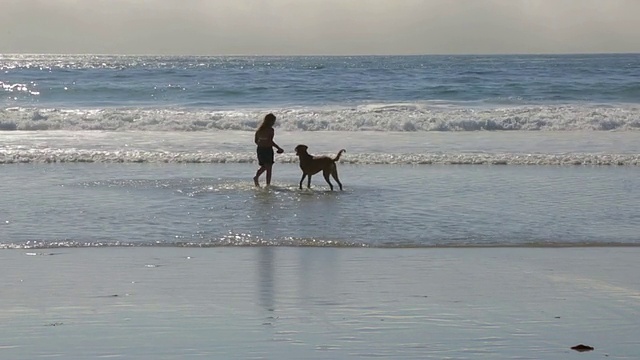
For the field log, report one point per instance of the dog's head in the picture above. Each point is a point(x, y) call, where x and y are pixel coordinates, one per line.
point(301, 150)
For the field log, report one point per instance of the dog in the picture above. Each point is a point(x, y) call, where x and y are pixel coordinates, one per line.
point(311, 165)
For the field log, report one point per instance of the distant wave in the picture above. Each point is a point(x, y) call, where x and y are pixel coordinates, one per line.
point(375, 117)
point(19, 155)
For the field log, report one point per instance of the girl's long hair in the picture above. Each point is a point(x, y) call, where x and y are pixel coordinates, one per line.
point(267, 122)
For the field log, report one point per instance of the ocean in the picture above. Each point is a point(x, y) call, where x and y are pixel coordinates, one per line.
point(441, 151)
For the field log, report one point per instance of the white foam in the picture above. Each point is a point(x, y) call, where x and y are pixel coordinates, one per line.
point(384, 117)
point(12, 156)
point(17, 88)
point(415, 148)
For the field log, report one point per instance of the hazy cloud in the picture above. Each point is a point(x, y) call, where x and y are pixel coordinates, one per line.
point(215, 27)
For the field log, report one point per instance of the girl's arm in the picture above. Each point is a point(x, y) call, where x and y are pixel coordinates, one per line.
point(273, 142)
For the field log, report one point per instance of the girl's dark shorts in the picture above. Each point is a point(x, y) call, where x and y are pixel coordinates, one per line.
point(265, 155)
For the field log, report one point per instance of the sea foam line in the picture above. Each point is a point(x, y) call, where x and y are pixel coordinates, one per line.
point(13, 156)
point(244, 241)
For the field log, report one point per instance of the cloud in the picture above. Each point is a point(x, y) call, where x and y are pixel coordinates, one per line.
point(319, 26)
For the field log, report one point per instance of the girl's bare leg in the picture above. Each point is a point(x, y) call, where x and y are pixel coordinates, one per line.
point(269, 168)
point(257, 177)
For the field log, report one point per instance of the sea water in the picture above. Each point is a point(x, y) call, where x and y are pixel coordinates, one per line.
point(527, 150)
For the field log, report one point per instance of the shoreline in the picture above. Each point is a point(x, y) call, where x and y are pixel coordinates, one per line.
point(316, 244)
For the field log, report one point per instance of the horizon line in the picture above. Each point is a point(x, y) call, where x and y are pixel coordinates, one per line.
point(328, 55)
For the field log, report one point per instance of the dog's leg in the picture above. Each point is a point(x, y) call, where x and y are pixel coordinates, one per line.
point(326, 173)
point(301, 180)
point(334, 173)
point(309, 182)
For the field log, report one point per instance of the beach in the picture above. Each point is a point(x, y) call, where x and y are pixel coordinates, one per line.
point(319, 303)
point(490, 207)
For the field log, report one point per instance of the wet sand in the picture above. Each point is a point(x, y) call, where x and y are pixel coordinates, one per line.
point(319, 303)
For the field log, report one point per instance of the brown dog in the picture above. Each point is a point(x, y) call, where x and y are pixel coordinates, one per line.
point(311, 165)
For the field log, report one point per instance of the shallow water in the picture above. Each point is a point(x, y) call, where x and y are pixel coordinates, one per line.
point(381, 206)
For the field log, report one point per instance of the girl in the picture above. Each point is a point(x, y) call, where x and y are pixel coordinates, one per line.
point(264, 139)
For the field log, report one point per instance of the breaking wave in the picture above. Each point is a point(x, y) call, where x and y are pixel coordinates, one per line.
point(374, 117)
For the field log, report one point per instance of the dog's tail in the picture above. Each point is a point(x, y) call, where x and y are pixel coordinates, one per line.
point(338, 156)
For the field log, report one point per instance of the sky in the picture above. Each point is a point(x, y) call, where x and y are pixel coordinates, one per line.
point(319, 27)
